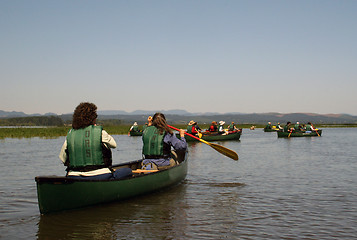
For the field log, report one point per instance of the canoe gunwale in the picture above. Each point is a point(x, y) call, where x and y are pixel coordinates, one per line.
point(59, 193)
point(41, 179)
point(63, 179)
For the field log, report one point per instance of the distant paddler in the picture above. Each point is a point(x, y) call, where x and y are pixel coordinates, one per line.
point(194, 129)
point(287, 128)
point(309, 128)
point(232, 127)
point(268, 126)
point(134, 127)
point(221, 129)
point(297, 127)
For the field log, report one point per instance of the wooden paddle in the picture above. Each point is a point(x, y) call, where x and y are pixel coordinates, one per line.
point(290, 134)
point(317, 131)
point(225, 151)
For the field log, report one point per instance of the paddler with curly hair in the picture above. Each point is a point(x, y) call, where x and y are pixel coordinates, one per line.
point(157, 142)
point(86, 150)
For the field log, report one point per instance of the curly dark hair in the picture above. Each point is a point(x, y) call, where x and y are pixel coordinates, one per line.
point(84, 115)
point(159, 121)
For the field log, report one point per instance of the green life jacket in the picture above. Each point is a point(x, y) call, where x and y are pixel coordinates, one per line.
point(286, 128)
point(135, 128)
point(153, 142)
point(189, 129)
point(297, 127)
point(85, 148)
point(308, 127)
point(231, 127)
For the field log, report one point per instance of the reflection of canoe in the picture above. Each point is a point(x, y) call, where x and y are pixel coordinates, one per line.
point(300, 134)
point(135, 133)
point(210, 137)
point(62, 193)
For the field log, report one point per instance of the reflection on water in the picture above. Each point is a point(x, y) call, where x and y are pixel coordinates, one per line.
point(149, 217)
point(297, 188)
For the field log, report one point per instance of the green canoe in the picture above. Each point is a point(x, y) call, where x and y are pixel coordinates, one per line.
point(210, 137)
point(271, 130)
point(62, 193)
point(135, 133)
point(300, 134)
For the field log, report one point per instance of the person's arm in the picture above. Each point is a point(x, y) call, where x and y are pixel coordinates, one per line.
point(176, 143)
point(108, 140)
point(63, 154)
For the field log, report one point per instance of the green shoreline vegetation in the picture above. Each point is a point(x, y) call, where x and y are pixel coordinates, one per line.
point(54, 127)
point(59, 131)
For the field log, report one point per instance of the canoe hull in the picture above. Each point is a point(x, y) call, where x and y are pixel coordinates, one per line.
point(271, 130)
point(61, 193)
point(134, 134)
point(300, 134)
point(216, 137)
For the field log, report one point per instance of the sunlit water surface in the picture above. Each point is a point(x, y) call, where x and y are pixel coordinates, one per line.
point(297, 188)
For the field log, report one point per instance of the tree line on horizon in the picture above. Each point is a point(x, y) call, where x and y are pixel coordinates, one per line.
point(113, 120)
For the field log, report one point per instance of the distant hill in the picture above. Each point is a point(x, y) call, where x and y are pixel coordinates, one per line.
point(4, 114)
point(183, 117)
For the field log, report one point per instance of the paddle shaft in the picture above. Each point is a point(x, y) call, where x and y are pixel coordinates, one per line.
point(317, 131)
point(225, 151)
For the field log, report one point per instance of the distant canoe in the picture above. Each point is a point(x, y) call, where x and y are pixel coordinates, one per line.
point(271, 129)
point(63, 193)
point(210, 137)
point(135, 133)
point(300, 134)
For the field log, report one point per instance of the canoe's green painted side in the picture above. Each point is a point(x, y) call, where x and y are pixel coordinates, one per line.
point(133, 133)
point(57, 195)
point(300, 134)
point(217, 137)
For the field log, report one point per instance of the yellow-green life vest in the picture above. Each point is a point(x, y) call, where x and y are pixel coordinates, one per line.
point(153, 142)
point(85, 147)
point(189, 129)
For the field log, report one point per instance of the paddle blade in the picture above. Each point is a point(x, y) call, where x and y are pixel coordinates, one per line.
point(225, 151)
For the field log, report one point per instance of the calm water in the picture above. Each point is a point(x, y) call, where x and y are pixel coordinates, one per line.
point(297, 188)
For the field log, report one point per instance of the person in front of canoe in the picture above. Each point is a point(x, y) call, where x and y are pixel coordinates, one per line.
point(278, 126)
point(86, 150)
point(213, 128)
point(268, 126)
point(191, 128)
point(287, 127)
point(309, 127)
point(220, 128)
point(157, 142)
point(197, 127)
point(298, 127)
point(232, 127)
point(134, 128)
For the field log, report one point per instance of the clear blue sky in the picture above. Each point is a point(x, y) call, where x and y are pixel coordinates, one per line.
point(200, 55)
